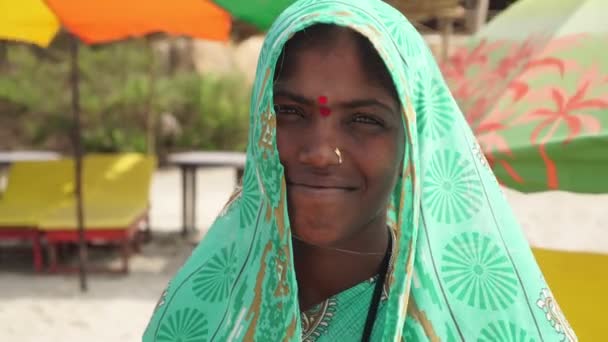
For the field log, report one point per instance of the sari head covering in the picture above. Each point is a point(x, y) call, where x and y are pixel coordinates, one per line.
point(462, 268)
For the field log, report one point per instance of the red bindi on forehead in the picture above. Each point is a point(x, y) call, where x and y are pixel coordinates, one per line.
point(323, 109)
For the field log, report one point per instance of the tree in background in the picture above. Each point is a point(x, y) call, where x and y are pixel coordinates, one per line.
point(116, 98)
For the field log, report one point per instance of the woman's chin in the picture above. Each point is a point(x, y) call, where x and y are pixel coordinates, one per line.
point(322, 237)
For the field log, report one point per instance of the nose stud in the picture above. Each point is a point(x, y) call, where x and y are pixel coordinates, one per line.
point(337, 151)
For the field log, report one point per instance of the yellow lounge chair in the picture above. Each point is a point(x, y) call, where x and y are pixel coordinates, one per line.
point(578, 282)
point(33, 189)
point(116, 190)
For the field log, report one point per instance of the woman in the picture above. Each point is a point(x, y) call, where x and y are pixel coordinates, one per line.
point(367, 211)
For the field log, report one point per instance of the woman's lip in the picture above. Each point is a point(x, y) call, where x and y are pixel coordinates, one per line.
point(315, 187)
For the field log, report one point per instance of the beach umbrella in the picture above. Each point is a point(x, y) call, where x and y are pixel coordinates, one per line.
point(259, 13)
point(533, 85)
point(28, 21)
point(95, 22)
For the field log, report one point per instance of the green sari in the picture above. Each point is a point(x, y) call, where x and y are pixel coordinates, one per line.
point(342, 317)
point(461, 267)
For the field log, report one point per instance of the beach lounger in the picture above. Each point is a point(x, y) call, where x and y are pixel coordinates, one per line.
point(116, 190)
point(33, 189)
point(579, 282)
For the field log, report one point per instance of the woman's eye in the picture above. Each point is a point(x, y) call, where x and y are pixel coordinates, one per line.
point(367, 120)
point(287, 110)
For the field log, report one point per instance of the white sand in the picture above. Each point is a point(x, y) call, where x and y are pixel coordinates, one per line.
point(51, 308)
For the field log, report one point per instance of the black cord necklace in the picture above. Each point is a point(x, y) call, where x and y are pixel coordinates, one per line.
point(375, 302)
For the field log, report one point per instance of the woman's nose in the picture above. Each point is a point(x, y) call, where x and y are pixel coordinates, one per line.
point(320, 149)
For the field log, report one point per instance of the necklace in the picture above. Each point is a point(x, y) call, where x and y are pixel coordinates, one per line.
point(375, 302)
point(348, 251)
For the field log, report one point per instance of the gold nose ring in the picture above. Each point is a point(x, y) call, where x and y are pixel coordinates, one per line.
point(337, 151)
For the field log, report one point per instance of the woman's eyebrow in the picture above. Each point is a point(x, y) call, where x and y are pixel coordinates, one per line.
point(365, 103)
point(292, 96)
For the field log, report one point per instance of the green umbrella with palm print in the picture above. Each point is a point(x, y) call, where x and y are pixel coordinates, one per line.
point(259, 13)
point(533, 85)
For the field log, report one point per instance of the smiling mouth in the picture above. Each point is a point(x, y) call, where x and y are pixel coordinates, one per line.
point(321, 188)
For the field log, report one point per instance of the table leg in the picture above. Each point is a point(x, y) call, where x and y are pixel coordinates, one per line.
point(193, 200)
point(52, 250)
point(125, 251)
point(37, 253)
point(147, 232)
point(239, 176)
point(184, 172)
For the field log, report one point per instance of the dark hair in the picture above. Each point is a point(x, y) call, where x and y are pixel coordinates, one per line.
point(324, 36)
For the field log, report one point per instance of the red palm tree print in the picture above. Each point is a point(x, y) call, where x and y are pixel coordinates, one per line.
point(568, 110)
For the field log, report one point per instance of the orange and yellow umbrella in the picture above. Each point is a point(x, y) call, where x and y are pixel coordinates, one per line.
point(37, 21)
point(28, 21)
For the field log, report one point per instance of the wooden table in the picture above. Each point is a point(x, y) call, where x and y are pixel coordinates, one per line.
point(189, 162)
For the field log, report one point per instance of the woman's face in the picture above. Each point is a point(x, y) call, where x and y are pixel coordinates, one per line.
point(328, 110)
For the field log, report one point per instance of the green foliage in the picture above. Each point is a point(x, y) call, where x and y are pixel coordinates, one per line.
point(123, 89)
point(221, 106)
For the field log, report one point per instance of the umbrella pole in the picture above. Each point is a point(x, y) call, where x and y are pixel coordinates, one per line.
point(150, 115)
point(74, 83)
point(3, 54)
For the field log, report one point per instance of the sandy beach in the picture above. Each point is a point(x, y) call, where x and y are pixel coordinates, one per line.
point(116, 308)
